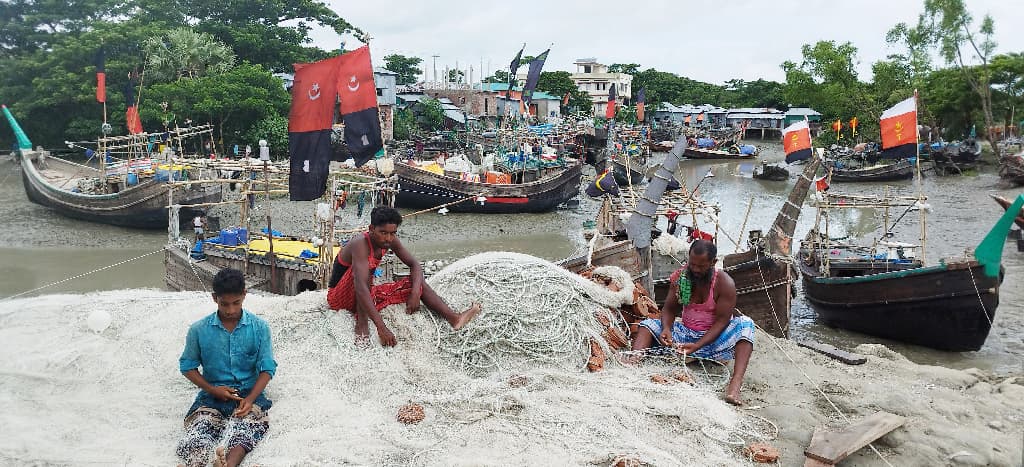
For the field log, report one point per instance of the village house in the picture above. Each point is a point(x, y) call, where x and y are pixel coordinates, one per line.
point(455, 118)
point(813, 118)
point(767, 120)
point(594, 79)
point(691, 115)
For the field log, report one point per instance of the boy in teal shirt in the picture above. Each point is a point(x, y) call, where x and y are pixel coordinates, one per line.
point(233, 348)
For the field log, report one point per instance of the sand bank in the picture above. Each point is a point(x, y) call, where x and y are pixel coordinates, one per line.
point(78, 397)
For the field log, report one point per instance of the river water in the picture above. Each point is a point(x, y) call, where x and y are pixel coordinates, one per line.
point(40, 249)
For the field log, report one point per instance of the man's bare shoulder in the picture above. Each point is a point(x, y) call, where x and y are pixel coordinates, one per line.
point(725, 280)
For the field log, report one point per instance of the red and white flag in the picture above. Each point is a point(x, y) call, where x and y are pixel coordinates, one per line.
point(796, 141)
point(899, 130)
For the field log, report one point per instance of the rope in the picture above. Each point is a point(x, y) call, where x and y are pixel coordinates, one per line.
point(978, 292)
point(846, 419)
point(81, 275)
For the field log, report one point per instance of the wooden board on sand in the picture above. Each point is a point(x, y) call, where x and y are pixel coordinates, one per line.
point(849, 358)
point(831, 447)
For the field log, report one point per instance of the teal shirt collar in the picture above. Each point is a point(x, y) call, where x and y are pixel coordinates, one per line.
point(215, 319)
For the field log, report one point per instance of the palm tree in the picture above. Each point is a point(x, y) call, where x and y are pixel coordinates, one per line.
point(184, 53)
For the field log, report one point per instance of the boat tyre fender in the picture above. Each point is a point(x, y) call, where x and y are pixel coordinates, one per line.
point(734, 149)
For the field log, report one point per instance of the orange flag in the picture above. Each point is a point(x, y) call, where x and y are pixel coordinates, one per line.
point(899, 129)
point(796, 141)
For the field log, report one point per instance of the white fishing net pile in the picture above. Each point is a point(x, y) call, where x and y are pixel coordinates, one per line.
point(533, 311)
point(72, 395)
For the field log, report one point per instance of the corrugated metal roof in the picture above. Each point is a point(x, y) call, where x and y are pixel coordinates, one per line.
point(749, 115)
point(802, 111)
point(756, 110)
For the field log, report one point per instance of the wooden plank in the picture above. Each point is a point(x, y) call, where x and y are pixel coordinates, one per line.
point(812, 462)
point(848, 358)
point(832, 447)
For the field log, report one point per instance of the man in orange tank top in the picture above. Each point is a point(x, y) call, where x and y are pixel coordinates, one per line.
point(707, 327)
point(352, 288)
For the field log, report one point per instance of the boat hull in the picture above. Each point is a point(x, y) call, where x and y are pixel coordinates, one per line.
point(143, 206)
point(421, 189)
point(945, 307)
point(695, 153)
point(620, 171)
point(900, 170)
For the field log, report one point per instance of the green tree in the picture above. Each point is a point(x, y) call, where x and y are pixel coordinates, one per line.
point(407, 67)
point(456, 76)
point(499, 76)
point(273, 129)
point(951, 30)
point(431, 114)
point(826, 80)
point(184, 53)
point(273, 33)
point(628, 68)
point(233, 101)
point(558, 83)
point(1008, 79)
point(952, 102)
point(405, 124)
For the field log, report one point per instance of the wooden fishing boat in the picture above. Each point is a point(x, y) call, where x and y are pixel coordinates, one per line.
point(660, 146)
point(1011, 169)
point(64, 186)
point(762, 274)
point(771, 172)
point(423, 189)
point(1005, 204)
point(50, 182)
point(900, 169)
point(705, 153)
point(628, 171)
point(885, 290)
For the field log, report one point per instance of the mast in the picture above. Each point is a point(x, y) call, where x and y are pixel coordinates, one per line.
point(639, 225)
point(920, 189)
point(780, 236)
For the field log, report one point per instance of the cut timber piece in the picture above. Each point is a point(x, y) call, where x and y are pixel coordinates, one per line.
point(834, 352)
point(812, 462)
point(831, 447)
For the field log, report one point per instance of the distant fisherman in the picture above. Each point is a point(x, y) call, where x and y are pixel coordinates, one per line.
point(351, 284)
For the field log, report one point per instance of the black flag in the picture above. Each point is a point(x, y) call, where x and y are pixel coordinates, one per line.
point(533, 76)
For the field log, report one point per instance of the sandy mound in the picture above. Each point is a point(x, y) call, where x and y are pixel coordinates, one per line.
point(116, 397)
point(76, 396)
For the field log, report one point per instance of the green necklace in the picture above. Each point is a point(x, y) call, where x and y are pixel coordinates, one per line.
point(685, 288)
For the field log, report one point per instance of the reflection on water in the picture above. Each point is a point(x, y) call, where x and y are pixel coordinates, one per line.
point(38, 246)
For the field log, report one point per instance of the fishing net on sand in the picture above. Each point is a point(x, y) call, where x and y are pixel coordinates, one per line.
point(532, 312)
point(121, 397)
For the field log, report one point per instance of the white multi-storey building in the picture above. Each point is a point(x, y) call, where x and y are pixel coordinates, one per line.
point(594, 79)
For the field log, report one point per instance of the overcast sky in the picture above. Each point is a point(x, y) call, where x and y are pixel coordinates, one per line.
point(711, 41)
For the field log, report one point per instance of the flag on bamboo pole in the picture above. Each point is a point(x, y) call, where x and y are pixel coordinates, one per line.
point(837, 127)
point(796, 141)
point(609, 111)
point(565, 99)
point(821, 184)
point(513, 68)
point(101, 76)
point(899, 130)
point(641, 96)
point(358, 93)
point(853, 126)
point(131, 114)
point(314, 94)
point(686, 120)
point(533, 76)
